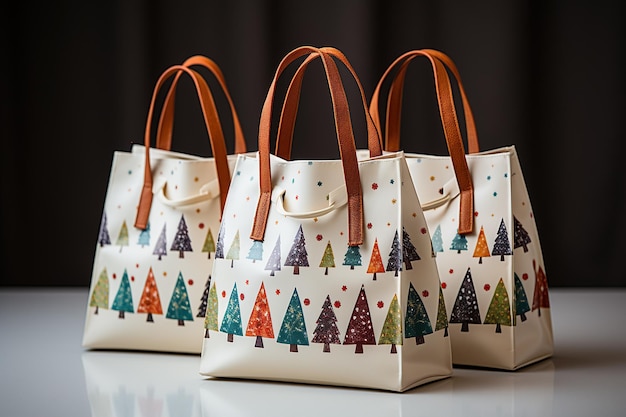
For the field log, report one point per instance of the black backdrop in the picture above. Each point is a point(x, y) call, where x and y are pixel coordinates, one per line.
point(77, 79)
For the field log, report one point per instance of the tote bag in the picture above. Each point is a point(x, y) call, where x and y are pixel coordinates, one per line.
point(324, 272)
point(157, 237)
point(483, 233)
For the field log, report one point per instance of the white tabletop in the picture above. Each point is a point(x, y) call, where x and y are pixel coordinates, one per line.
point(44, 371)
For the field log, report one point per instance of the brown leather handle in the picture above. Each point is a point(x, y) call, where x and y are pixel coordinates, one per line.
point(216, 137)
point(286, 127)
point(451, 129)
point(345, 138)
point(166, 120)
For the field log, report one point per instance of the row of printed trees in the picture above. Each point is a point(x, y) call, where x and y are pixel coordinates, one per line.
point(293, 331)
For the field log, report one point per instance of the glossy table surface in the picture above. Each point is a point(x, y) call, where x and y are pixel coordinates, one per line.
point(44, 371)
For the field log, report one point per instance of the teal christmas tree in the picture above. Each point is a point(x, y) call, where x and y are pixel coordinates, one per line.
point(437, 241)
point(501, 246)
point(360, 330)
point(409, 253)
point(521, 300)
point(123, 301)
point(256, 251)
point(144, 236)
point(297, 256)
point(395, 256)
point(416, 322)
point(293, 329)
point(520, 235)
point(160, 249)
point(465, 309)
point(182, 242)
point(459, 243)
point(352, 257)
point(103, 233)
point(231, 323)
point(179, 308)
point(326, 330)
point(273, 263)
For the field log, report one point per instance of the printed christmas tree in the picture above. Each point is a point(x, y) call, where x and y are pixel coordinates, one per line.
point(459, 243)
point(540, 296)
point(144, 236)
point(352, 257)
point(160, 249)
point(501, 246)
point(219, 250)
point(273, 263)
point(150, 301)
point(376, 262)
point(520, 235)
point(482, 249)
point(442, 315)
point(437, 241)
point(210, 321)
point(360, 330)
point(100, 295)
point(499, 311)
point(256, 251)
point(391, 333)
point(328, 258)
point(465, 309)
point(395, 256)
point(204, 299)
point(231, 322)
point(123, 301)
point(260, 323)
point(103, 233)
point(326, 330)
point(179, 308)
point(122, 237)
point(293, 329)
point(209, 244)
point(409, 253)
point(521, 300)
point(123, 403)
point(233, 251)
point(182, 242)
point(416, 321)
point(297, 256)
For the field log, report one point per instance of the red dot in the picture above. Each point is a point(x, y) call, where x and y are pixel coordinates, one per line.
point(380, 304)
point(201, 226)
point(307, 301)
point(475, 214)
point(136, 265)
point(319, 237)
point(374, 186)
point(451, 271)
point(525, 276)
point(223, 294)
point(344, 288)
point(190, 282)
point(132, 278)
point(247, 282)
point(487, 287)
point(423, 230)
point(241, 296)
point(369, 225)
point(425, 293)
point(444, 285)
point(114, 276)
point(337, 304)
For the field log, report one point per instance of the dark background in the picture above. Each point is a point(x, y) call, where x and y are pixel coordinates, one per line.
point(77, 79)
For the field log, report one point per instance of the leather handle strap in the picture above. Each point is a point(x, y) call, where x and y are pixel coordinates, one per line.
point(286, 127)
point(216, 137)
point(345, 138)
point(451, 129)
point(166, 120)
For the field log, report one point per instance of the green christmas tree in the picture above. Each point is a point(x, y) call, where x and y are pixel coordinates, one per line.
point(328, 258)
point(122, 237)
point(209, 243)
point(256, 251)
point(293, 329)
point(210, 321)
point(144, 236)
point(521, 300)
point(459, 243)
point(233, 252)
point(391, 333)
point(442, 315)
point(352, 257)
point(231, 322)
point(179, 308)
point(416, 322)
point(499, 312)
point(100, 294)
point(123, 301)
point(182, 241)
point(437, 241)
